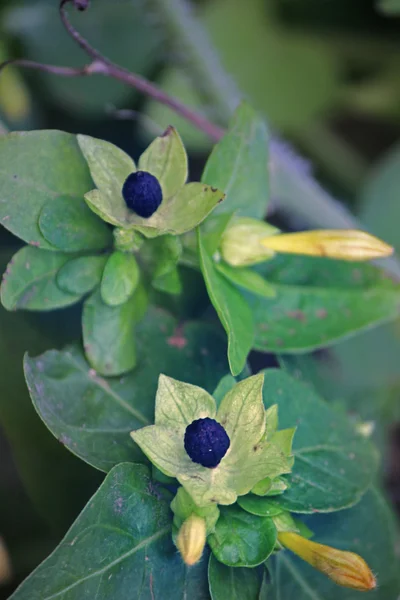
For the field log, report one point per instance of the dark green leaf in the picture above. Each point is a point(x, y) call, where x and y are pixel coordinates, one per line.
point(93, 416)
point(30, 281)
point(319, 301)
point(390, 7)
point(233, 583)
point(333, 464)
point(80, 275)
point(369, 529)
point(239, 165)
point(169, 283)
point(232, 309)
point(262, 507)
point(56, 482)
point(108, 334)
point(242, 539)
point(120, 546)
point(36, 167)
point(120, 278)
point(69, 225)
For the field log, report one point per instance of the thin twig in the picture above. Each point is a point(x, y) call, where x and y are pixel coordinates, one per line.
point(53, 69)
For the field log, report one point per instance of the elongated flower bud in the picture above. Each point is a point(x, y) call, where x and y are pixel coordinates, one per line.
point(241, 242)
point(344, 568)
point(343, 244)
point(191, 539)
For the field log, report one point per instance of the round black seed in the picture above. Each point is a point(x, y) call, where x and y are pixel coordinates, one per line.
point(142, 193)
point(206, 442)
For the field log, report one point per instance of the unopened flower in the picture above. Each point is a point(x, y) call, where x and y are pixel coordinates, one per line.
point(344, 568)
point(191, 539)
point(343, 244)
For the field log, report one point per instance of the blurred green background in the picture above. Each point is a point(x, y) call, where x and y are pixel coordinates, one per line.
point(326, 75)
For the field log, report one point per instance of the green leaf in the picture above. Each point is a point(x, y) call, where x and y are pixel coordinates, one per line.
point(109, 167)
point(247, 279)
point(179, 403)
point(120, 278)
point(239, 165)
point(36, 167)
point(233, 583)
point(224, 386)
point(161, 255)
point(319, 301)
point(369, 529)
point(80, 275)
point(333, 464)
point(183, 507)
point(108, 334)
point(242, 414)
point(120, 546)
point(242, 539)
point(68, 224)
point(166, 159)
point(232, 309)
point(30, 281)
point(262, 507)
point(170, 282)
point(97, 428)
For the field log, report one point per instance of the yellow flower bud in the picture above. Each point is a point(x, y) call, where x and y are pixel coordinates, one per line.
point(191, 539)
point(241, 242)
point(344, 568)
point(343, 244)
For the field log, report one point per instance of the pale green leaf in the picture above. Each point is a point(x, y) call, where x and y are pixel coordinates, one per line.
point(166, 159)
point(247, 279)
point(183, 507)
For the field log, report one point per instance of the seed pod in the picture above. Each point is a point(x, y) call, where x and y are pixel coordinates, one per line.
point(206, 442)
point(142, 193)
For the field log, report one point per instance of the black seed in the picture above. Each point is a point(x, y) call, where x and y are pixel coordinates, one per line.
point(142, 193)
point(206, 442)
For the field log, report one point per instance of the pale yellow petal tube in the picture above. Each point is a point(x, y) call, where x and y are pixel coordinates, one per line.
point(191, 539)
point(343, 244)
point(344, 568)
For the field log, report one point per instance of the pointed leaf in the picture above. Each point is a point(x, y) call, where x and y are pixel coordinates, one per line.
point(320, 301)
point(242, 539)
point(166, 159)
point(333, 464)
point(239, 165)
point(247, 279)
point(36, 167)
point(233, 583)
point(224, 386)
point(109, 167)
point(242, 414)
point(103, 206)
point(93, 416)
point(179, 403)
point(232, 309)
point(30, 281)
point(120, 278)
point(80, 275)
point(108, 334)
point(120, 546)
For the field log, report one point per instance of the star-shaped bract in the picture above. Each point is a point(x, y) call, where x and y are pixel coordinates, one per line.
point(250, 458)
point(184, 205)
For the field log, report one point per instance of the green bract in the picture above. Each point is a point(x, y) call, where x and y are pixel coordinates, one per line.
point(252, 455)
point(184, 205)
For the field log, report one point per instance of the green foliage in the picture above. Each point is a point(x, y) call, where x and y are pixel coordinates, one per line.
point(97, 429)
point(242, 539)
point(234, 583)
point(120, 278)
